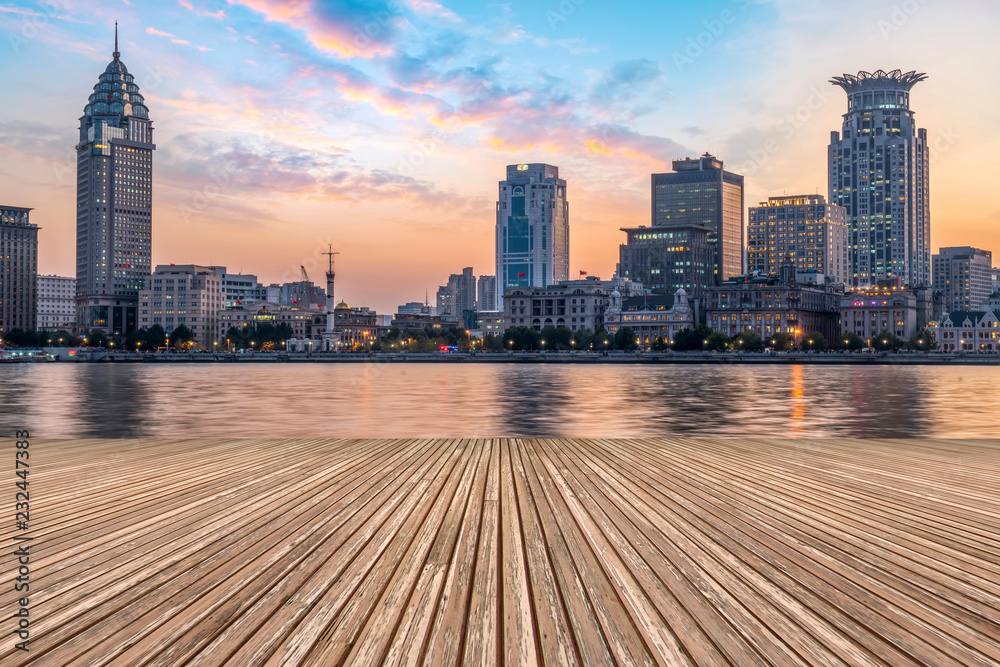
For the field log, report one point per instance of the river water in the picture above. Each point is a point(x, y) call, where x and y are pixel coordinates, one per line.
point(467, 400)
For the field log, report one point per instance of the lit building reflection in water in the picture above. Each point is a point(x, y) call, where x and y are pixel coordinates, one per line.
point(798, 403)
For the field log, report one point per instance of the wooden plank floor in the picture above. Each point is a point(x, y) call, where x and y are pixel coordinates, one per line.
point(503, 551)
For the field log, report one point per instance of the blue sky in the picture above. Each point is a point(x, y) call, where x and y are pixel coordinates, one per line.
point(383, 126)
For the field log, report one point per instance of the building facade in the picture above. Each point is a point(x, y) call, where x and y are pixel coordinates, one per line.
point(883, 309)
point(964, 276)
point(56, 303)
point(804, 227)
point(18, 269)
point(114, 223)
point(767, 306)
point(969, 331)
point(186, 294)
point(665, 260)
point(574, 304)
point(701, 193)
point(651, 317)
point(486, 294)
point(878, 171)
point(532, 231)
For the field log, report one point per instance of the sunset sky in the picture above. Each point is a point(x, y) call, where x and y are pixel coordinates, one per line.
point(382, 127)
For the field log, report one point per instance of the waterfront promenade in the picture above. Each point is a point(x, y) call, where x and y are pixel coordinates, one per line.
point(771, 358)
point(501, 551)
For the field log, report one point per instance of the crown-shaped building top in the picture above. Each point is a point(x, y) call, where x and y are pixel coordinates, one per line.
point(878, 80)
point(116, 93)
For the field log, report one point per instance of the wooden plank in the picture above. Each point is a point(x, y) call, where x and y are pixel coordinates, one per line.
point(502, 551)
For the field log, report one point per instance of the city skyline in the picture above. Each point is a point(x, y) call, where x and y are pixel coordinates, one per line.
point(391, 120)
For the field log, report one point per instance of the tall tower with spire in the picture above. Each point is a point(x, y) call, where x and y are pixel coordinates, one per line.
point(114, 203)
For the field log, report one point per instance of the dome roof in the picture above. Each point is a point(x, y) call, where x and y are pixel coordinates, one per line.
point(116, 93)
point(342, 304)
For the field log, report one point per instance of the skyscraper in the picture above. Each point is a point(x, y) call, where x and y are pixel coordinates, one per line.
point(878, 171)
point(532, 233)
point(803, 227)
point(699, 192)
point(18, 269)
point(114, 202)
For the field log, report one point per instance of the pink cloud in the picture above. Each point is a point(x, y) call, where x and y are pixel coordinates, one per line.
point(338, 36)
point(173, 38)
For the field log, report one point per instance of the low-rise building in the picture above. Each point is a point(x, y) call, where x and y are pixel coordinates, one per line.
point(56, 303)
point(240, 288)
point(880, 310)
point(419, 321)
point(490, 322)
point(969, 331)
point(574, 304)
point(416, 308)
point(358, 328)
point(187, 294)
point(305, 323)
point(301, 293)
point(767, 306)
point(651, 317)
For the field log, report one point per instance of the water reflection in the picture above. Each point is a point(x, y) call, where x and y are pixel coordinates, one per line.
point(358, 400)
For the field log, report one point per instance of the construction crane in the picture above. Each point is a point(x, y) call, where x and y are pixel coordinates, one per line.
point(305, 276)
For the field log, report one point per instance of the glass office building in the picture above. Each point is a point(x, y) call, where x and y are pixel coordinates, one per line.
point(532, 231)
point(701, 193)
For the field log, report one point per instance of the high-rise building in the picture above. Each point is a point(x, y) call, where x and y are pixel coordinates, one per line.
point(185, 294)
point(18, 269)
point(532, 233)
point(486, 294)
point(878, 171)
point(803, 227)
point(56, 303)
point(114, 202)
point(701, 193)
point(459, 295)
point(665, 260)
point(964, 276)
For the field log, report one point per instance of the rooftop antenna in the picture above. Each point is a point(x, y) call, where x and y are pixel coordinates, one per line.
point(116, 54)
